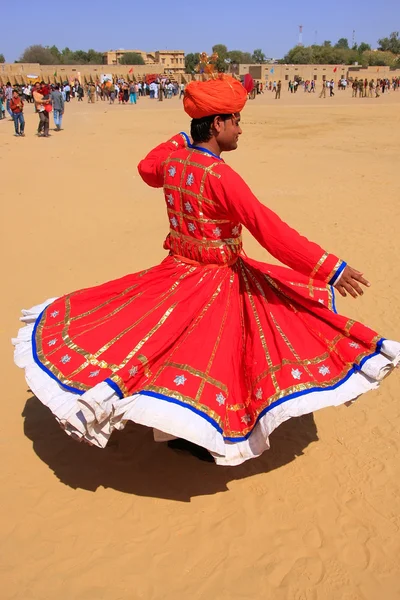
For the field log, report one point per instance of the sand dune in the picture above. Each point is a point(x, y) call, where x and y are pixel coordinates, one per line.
point(315, 518)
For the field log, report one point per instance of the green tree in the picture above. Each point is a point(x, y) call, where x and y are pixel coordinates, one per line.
point(37, 54)
point(258, 56)
point(191, 61)
point(327, 44)
point(363, 47)
point(131, 58)
point(94, 57)
point(2, 59)
point(300, 55)
point(342, 43)
point(56, 53)
point(391, 43)
point(222, 52)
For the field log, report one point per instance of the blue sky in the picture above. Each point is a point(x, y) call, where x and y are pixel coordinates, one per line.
point(192, 26)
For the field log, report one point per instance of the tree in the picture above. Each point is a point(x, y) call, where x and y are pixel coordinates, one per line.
point(131, 58)
point(258, 56)
point(391, 43)
point(191, 61)
point(222, 52)
point(94, 57)
point(2, 59)
point(363, 47)
point(37, 54)
point(342, 43)
point(300, 55)
point(327, 44)
point(55, 52)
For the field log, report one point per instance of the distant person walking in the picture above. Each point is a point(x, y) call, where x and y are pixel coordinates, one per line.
point(44, 119)
point(8, 92)
point(323, 91)
point(58, 106)
point(278, 90)
point(331, 86)
point(67, 90)
point(17, 108)
point(132, 93)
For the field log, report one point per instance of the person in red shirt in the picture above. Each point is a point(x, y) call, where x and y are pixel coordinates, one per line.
point(17, 108)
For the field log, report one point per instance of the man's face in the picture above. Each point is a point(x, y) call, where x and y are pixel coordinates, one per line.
point(228, 132)
point(37, 87)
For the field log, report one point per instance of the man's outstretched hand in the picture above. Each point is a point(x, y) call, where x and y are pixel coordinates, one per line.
point(349, 282)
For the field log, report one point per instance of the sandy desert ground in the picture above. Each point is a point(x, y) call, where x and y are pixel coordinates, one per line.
point(315, 518)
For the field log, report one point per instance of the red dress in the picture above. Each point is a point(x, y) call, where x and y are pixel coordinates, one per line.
point(209, 345)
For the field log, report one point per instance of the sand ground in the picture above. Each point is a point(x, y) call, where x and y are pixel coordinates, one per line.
point(315, 518)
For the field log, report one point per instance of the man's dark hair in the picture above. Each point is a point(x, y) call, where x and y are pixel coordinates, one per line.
point(200, 129)
point(57, 87)
point(8, 83)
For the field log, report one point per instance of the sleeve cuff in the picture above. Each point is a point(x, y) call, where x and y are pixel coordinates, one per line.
point(338, 273)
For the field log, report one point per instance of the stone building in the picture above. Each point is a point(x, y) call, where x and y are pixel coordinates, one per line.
point(168, 60)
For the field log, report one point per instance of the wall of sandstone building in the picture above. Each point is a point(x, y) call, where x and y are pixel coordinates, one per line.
point(17, 73)
point(315, 72)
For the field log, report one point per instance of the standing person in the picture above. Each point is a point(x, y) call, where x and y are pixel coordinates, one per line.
point(17, 108)
point(209, 346)
point(80, 92)
point(278, 90)
point(2, 102)
point(331, 86)
point(8, 93)
point(91, 92)
point(112, 93)
point(44, 119)
point(323, 90)
point(182, 90)
point(58, 107)
point(67, 89)
point(371, 88)
point(132, 93)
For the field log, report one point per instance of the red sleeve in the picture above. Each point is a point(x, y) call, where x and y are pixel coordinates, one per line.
point(151, 167)
point(283, 242)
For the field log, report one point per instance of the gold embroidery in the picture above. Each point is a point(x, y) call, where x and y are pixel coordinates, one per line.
point(184, 399)
point(198, 220)
point(218, 340)
point(145, 362)
point(258, 323)
point(197, 373)
point(175, 188)
point(314, 272)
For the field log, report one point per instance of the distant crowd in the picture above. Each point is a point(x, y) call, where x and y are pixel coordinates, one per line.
point(49, 98)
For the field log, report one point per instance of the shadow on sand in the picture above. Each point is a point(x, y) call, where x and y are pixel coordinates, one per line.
point(134, 464)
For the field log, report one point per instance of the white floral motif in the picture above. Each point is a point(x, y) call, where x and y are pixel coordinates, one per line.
point(65, 359)
point(246, 419)
point(192, 227)
point(172, 171)
point(324, 370)
point(94, 373)
point(180, 380)
point(220, 398)
point(170, 199)
point(354, 345)
point(52, 342)
point(190, 179)
point(54, 313)
point(236, 230)
point(133, 371)
point(217, 232)
point(259, 394)
point(188, 207)
point(174, 221)
point(296, 373)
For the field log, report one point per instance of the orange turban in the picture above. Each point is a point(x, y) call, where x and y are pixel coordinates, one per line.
point(224, 95)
